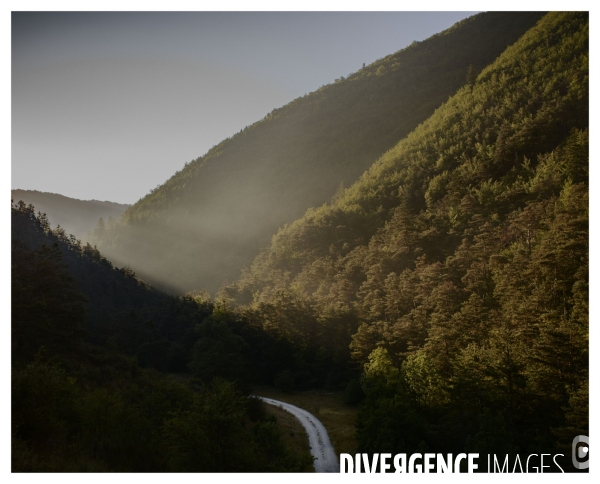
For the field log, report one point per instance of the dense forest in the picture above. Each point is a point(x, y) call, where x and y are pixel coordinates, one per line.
point(87, 341)
point(455, 271)
point(210, 219)
point(445, 292)
point(77, 217)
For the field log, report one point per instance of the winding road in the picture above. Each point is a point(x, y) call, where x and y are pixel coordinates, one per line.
point(326, 460)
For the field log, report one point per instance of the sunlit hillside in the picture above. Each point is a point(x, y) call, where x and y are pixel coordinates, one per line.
point(209, 220)
point(459, 259)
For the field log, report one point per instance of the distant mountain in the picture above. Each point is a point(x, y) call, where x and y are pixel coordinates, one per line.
point(77, 217)
point(211, 218)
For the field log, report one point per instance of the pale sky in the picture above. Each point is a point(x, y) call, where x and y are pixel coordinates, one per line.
point(109, 105)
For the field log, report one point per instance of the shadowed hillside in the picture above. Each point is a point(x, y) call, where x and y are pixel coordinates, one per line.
point(110, 294)
point(81, 331)
point(210, 219)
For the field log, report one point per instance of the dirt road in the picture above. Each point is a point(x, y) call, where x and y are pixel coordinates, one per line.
point(326, 460)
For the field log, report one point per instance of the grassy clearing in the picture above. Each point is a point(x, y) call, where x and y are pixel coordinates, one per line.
point(329, 408)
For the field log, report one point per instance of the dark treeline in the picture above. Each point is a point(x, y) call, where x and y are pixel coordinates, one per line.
point(87, 341)
point(456, 269)
point(211, 218)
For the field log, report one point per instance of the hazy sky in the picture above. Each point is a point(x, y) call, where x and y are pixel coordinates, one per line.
point(109, 105)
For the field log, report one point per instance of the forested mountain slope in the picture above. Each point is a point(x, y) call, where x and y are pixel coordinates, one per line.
point(109, 293)
point(64, 290)
point(77, 217)
point(457, 266)
point(81, 401)
point(210, 219)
